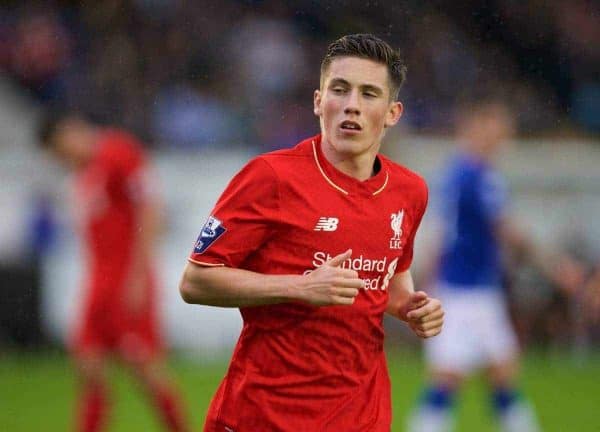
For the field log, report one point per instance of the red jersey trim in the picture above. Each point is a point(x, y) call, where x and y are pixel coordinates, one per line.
point(331, 182)
point(205, 264)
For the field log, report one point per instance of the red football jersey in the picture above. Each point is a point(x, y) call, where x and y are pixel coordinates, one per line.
point(107, 193)
point(298, 367)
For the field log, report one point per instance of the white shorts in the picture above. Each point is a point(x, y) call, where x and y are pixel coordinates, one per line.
point(477, 331)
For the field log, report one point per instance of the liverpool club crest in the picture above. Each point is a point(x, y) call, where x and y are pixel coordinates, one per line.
point(396, 223)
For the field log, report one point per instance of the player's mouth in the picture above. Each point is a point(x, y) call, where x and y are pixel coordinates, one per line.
point(350, 127)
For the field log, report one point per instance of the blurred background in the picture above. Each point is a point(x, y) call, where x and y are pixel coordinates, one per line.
point(208, 84)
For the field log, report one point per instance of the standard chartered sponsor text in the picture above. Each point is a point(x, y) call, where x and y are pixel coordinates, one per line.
point(362, 264)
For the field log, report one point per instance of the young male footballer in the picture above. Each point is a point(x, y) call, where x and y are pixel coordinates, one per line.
point(314, 244)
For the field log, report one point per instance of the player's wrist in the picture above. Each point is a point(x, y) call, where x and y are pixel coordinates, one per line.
point(401, 314)
point(293, 289)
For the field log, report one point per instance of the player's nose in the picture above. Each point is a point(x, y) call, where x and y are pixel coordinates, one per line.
point(351, 110)
point(352, 104)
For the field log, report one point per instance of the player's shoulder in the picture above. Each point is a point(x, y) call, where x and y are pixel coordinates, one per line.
point(119, 151)
point(407, 183)
point(114, 140)
point(302, 150)
point(267, 173)
point(118, 145)
point(286, 161)
point(402, 176)
point(462, 170)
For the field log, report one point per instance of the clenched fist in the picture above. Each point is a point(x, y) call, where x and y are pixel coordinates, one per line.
point(423, 314)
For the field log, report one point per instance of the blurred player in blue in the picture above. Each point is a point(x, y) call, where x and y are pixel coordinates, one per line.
point(472, 226)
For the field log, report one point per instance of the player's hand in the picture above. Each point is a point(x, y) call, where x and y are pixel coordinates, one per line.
point(568, 274)
point(591, 299)
point(424, 315)
point(330, 284)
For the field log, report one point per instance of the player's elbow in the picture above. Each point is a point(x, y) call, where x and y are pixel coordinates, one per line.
point(190, 288)
point(202, 285)
point(187, 291)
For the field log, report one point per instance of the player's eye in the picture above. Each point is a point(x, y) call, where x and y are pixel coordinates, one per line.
point(370, 94)
point(338, 90)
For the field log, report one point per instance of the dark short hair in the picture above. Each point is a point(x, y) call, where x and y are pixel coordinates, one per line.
point(50, 121)
point(48, 124)
point(369, 47)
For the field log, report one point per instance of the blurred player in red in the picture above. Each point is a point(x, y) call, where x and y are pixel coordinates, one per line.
point(314, 244)
point(119, 217)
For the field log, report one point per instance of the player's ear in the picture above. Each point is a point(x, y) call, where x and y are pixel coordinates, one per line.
point(317, 103)
point(394, 113)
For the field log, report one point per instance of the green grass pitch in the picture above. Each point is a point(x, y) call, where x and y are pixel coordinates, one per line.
point(37, 393)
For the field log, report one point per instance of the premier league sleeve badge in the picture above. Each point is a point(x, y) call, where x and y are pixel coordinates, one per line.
point(211, 231)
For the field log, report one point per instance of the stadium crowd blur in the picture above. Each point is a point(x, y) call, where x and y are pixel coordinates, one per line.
point(207, 74)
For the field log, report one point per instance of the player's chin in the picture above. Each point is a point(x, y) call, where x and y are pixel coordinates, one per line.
point(350, 145)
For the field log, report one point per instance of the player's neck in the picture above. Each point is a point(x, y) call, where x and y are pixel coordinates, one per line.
point(86, 152)
point(359, 166)
point(480, 152)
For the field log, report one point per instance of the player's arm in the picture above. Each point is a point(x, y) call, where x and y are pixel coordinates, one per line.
point(491, 193)
point(149, 221)
point(400, 288)
point(149, 217)
point(135, 177)
point(514, 238)
point(592, 296)
point(329, 284)
point(555, 266)
point(424, 315)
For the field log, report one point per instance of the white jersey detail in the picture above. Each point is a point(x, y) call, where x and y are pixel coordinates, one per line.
point(327, 224)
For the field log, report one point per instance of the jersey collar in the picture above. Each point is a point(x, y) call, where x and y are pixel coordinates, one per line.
point(344, 183)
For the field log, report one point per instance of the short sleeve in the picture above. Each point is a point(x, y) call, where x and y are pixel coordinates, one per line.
point(243, 218)
point(418, 211)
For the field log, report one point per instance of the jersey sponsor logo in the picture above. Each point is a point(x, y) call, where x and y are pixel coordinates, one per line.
point(211, 231)
point(363, 264)
point(396, 224)
point(391, 271)
point(359, 263)
point(327, 224)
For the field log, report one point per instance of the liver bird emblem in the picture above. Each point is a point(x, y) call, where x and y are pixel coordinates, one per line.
point(397, 224)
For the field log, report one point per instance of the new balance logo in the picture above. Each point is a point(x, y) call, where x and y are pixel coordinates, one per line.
point(327, 224)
